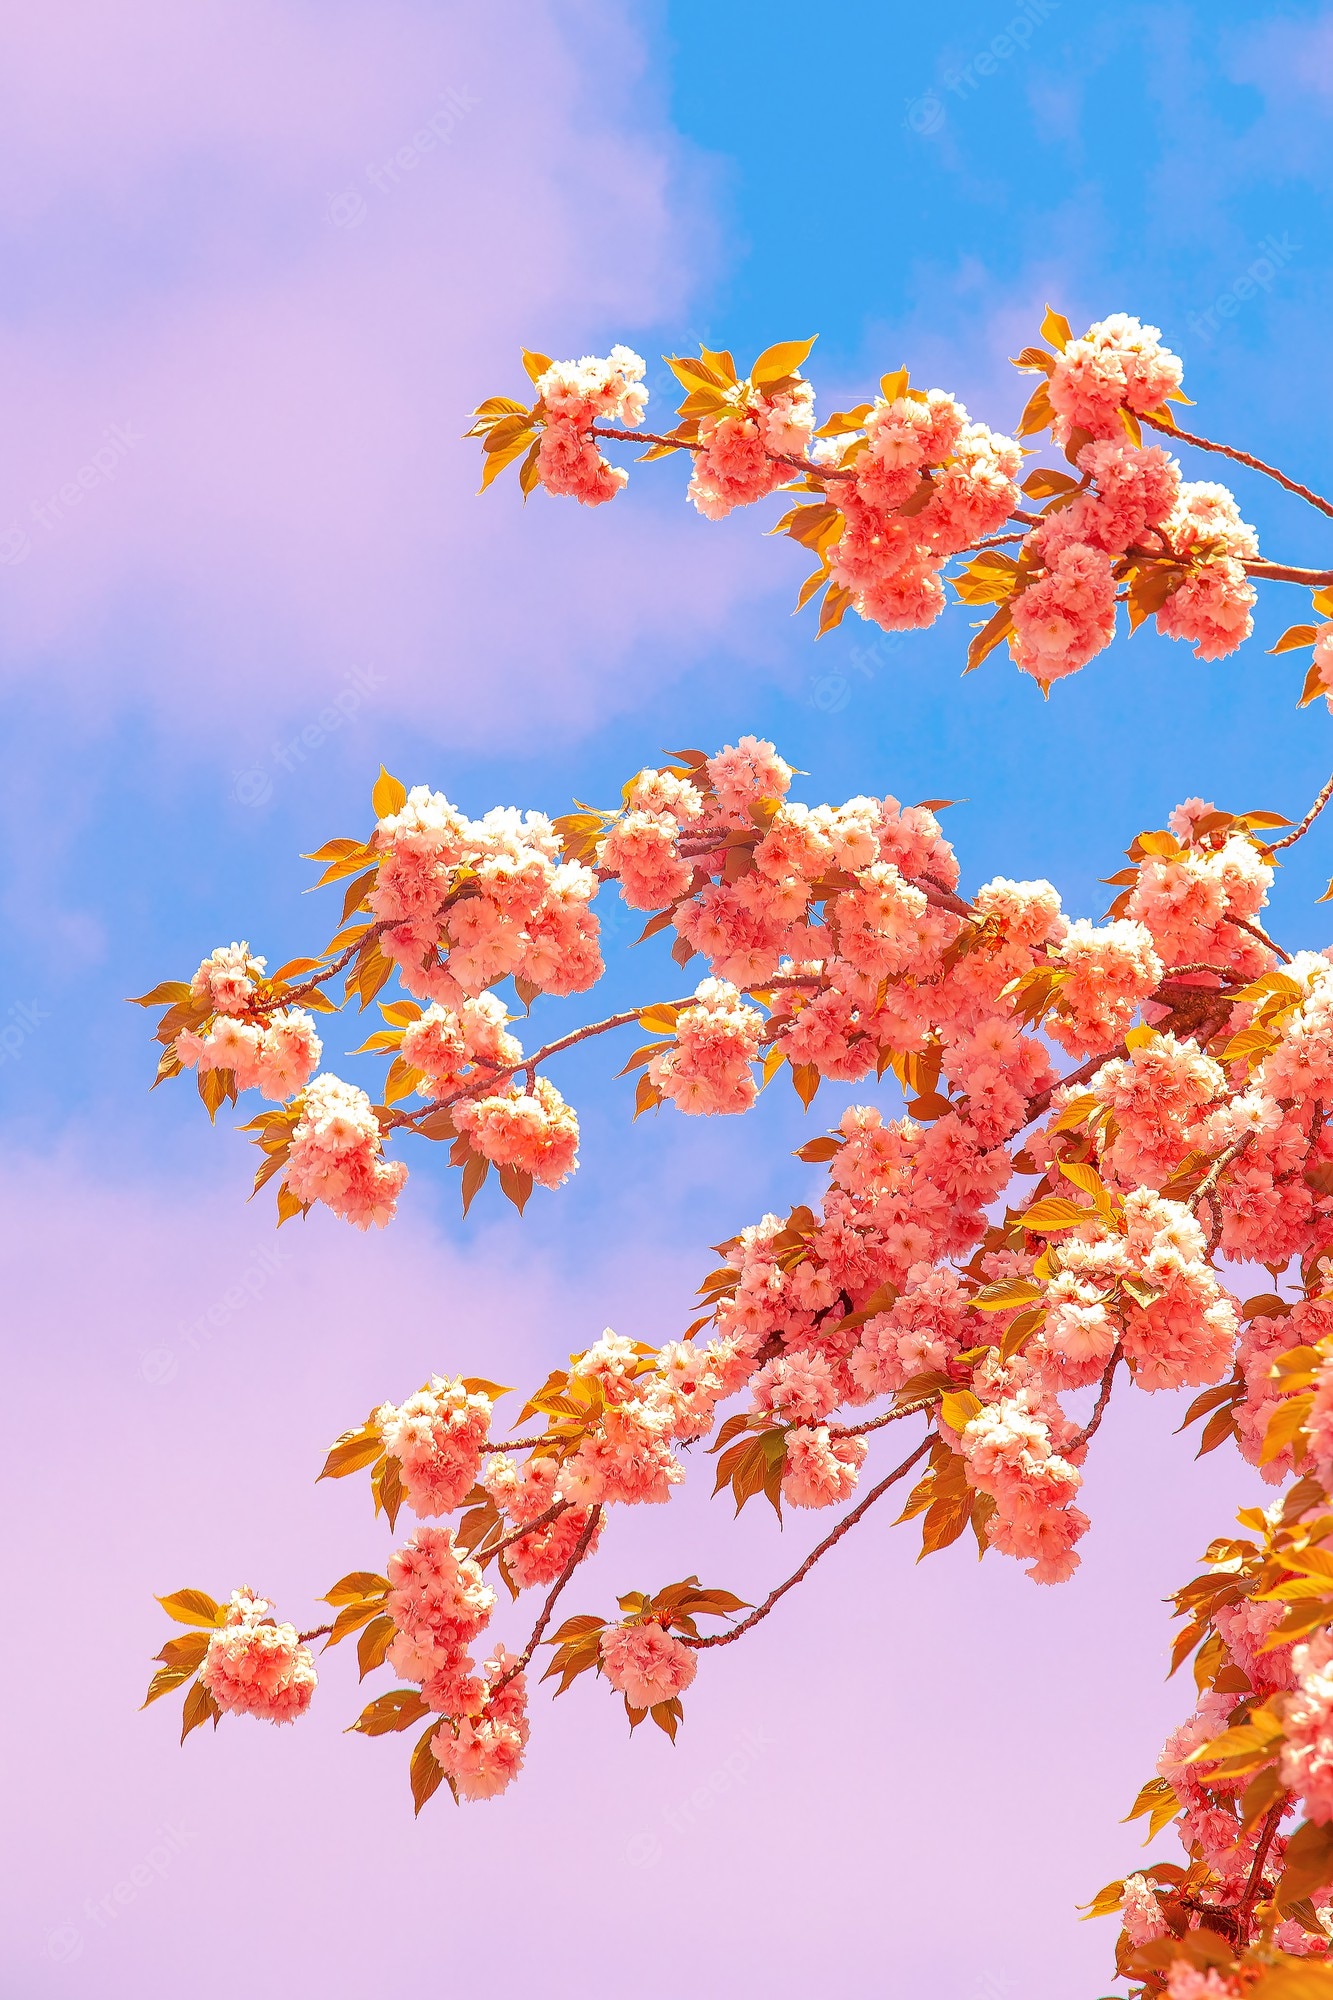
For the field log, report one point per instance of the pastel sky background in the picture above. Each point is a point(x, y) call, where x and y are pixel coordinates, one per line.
point(906, 1781)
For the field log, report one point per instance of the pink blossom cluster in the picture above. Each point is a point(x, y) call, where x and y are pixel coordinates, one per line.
point(575, 395)
point(927, 483)
point(1192, 1982)
point(1141, 1912)
point(1066, 614)
point(1152, 1288)
point(821, 1469)
point(646, 1404)
point(534, 1131)
point(481, 1751)
point(1210, 609)
point(467, 902)
point(1119, 364)
point(227, 979)
point(254, 1666)
point(1205, 1823)
point(1008, 1454)
point(439, 1601)
point(336, 1153)
point(524, 1494)
point(646, 1663)
point(1197, 903)
point(706, 1067)
point(453, 1045)
point(1270, 1211)
point(438, 1437)
point(743, 446)
point(277, 1058)
point(643, 847)
point(1110, 970)
point(1159, 1098)
point(1306, 1765)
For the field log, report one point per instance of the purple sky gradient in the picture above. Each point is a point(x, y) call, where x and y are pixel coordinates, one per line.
point(904, 1782)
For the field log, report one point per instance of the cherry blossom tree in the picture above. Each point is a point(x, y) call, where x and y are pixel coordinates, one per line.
point(1088, 1136)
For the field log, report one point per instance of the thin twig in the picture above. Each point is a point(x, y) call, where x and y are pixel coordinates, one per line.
point(1099, 1407)
point(1247, 1901)
point(847, 1521)
point(496, 1075)
point(318, 1633)
point(1243, 924)
point(1242, 458)
point(1208, 1184)
point(552, 1513)
point(1271, 572)
point(580, 1551)
point(877, 1423)
point(1325, 795)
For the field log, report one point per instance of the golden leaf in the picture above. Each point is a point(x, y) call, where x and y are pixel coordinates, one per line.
point(190, 1607)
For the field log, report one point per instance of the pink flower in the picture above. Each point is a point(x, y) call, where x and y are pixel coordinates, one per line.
point(255, 1666)
point(642, 849)
point(536, 1132)
point(435, 1594)
point(706, 1068)
point(445, 1043)
point(1142, 1912)
point(570, 465)
point(819, 1472)
point(1306, 1764)
point(745, 772)
point(226, 979)
point(646, 1664)
point(1118, 364)
point(593, 390)
point(438, 1437)
point(743, 447)
point(1066, 616)
point(335, 1155)
point(1211, 609)
point(482, 1754)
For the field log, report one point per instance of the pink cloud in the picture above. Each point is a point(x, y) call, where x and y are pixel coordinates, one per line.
point(170, 1395)
point(260, 291)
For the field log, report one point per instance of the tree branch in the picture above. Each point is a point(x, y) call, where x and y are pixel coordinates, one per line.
point(580, 1551)
point(1247, 1901)
point(847, 1521)
point(1325, 795)
point(1242, 924)
point(1099, 1407)
point(1241, 458)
